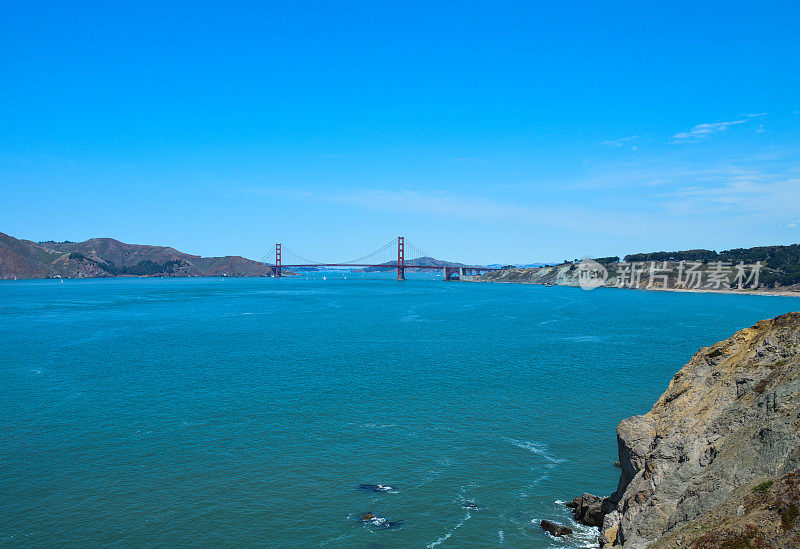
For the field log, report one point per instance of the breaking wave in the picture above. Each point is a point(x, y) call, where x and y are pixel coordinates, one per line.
point(450, 533)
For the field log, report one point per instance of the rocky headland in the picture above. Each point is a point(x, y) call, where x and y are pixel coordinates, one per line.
point(762, 269)
point(715, 462)
point(569, 274)
point(107, 257)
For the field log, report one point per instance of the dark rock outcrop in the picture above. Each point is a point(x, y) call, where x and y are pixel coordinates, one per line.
point(555, 529)
point(589, 509)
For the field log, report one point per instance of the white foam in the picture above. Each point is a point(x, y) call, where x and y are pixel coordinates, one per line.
point(544, 322)
point(336, 539)
point(411, 318)
point(450, 533)
point(585, 339)
point(378, 425)
point(535, 448)
point(583, 537)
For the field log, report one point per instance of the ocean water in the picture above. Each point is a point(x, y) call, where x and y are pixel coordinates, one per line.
point(246, 412)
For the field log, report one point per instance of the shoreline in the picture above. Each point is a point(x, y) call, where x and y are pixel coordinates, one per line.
point(772, 293)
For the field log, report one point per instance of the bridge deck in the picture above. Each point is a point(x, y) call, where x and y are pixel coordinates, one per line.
point(384, 266)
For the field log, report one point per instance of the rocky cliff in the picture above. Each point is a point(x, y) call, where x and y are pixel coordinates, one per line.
point(714, 463)
point(107, 257)
point(561, 275)
point(665, 275)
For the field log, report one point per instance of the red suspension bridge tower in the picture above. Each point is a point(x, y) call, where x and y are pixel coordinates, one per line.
point(277, 260)
point(401, 258)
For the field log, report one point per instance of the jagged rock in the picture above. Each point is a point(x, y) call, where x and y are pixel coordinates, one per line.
point(555, 529)
point(589, 509)
point(690, 468)
point(610, 528)
point(574, 503)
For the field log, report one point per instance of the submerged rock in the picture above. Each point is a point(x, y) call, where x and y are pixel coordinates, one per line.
point(378, 488)
point(377, 521)
point(555, 529)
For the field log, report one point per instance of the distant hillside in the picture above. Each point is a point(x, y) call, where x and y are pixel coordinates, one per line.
point(107, 257)
point(780, 268)
point(525, 266)
point(426, 261)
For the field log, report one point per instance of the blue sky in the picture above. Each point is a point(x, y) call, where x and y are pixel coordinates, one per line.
point(483, 132)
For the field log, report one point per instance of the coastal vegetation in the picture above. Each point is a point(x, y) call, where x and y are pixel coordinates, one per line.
point(146, 267)
point(778, 269)
point(781, 264)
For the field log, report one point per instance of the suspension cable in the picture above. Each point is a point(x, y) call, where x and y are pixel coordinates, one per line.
point(297, 255)
point(376, 252)
point(267, 255)
point(419, 250)
point(288, 251)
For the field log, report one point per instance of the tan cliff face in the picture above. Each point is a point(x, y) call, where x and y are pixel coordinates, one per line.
point(568, 274)
point(729, 420)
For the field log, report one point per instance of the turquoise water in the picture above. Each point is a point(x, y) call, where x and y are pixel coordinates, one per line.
point(222, 412)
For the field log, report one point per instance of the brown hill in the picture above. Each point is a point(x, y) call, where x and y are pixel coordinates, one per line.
point(107, 257)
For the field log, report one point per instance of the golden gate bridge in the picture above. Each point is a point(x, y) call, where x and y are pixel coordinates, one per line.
point(407, 257)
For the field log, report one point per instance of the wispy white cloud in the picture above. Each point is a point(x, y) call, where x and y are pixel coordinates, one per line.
point(673, 201)
point(704, 130)
point(619, 142)
point(701, 131)
point(434, 203)
point(757, 194)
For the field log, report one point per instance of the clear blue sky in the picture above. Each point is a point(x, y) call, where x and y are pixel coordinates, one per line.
point(483, 132)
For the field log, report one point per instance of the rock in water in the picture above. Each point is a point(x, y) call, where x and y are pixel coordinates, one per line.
point(724, 436)
point(555, 529)
point(589, 509)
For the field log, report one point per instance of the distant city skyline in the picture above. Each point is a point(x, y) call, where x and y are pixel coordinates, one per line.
point(513, 133)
